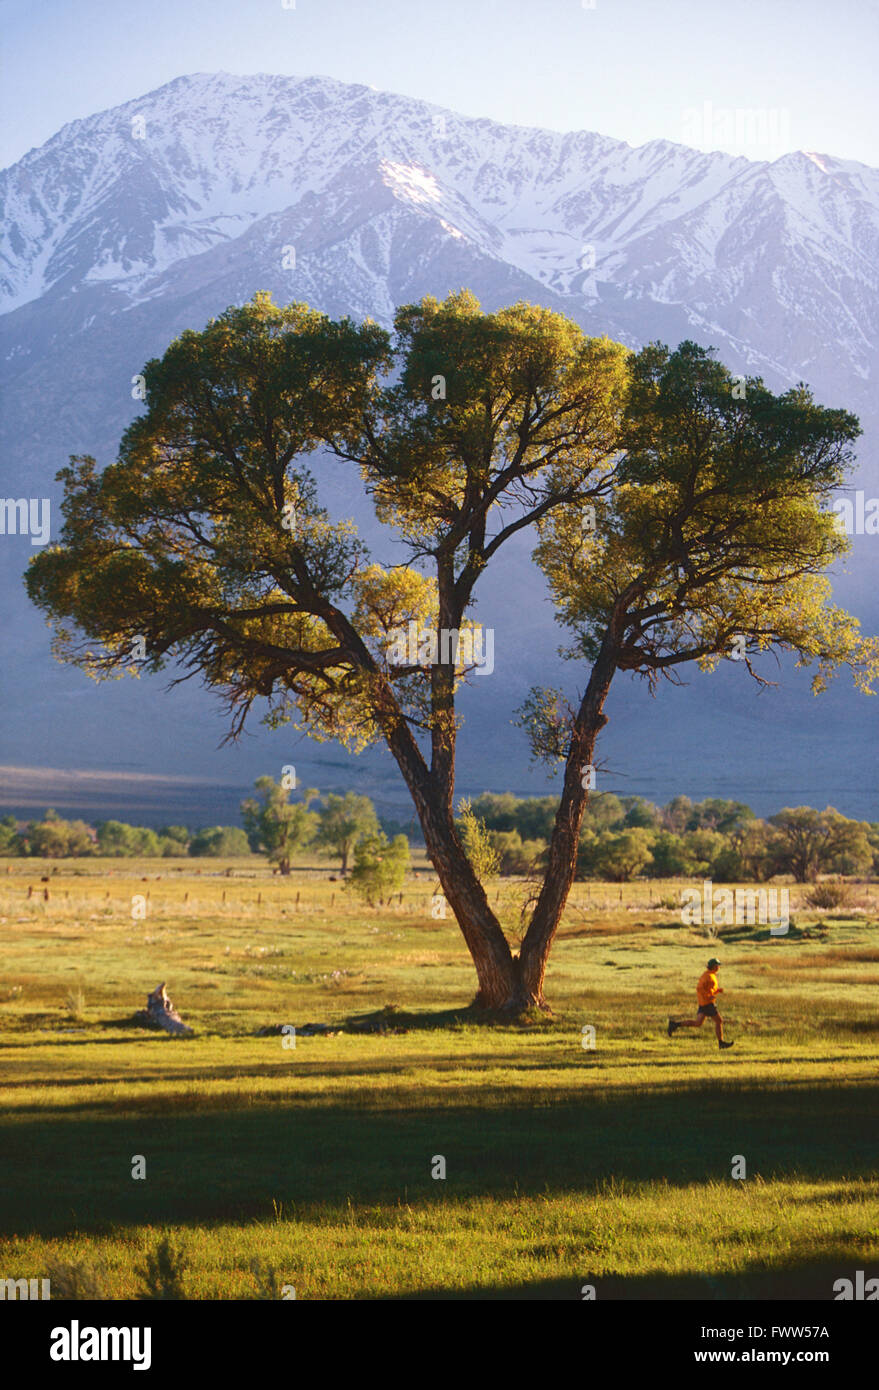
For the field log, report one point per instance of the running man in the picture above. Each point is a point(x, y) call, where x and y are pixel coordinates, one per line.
point(707, 990)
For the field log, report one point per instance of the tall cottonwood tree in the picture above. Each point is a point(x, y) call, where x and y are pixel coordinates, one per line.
point(678, 520)
point(343, 821)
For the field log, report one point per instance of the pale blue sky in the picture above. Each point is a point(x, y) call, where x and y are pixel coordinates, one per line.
point(627, 68)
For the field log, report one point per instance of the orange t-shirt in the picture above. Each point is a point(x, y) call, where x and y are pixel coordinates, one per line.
point(707, 988)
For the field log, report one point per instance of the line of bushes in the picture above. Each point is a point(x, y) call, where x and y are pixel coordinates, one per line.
point(626, 837)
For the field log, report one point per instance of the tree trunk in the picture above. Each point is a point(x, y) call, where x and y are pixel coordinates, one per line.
point(160, 1013)
point(506, 983)
point(563, 846)
point(431, 789)
point(497, 975)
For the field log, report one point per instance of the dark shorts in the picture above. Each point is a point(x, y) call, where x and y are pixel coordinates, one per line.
point(707, 1010)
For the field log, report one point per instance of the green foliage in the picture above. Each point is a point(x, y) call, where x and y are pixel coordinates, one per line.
point(477, 842)
point(392, 825)
point(498, 812)
point(677, 813)
point(604, 811)
point(343, 821)
point(275, 825)
point(757, 846)
point(180, 541)
point(531, 816)
point(670, 857)
point(547, 720)
point(54, 838)
point(380, 866)
point(809, 841)
point(11, 843)
point(116, 839)
point(640, 813)
point(718, 532)
point(176, 836)
point(726, 817)
point(517, 856)
point(621, 856)
point(220, 842)
point(703, 848)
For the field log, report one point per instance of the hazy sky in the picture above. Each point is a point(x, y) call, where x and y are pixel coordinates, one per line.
point(626, 68)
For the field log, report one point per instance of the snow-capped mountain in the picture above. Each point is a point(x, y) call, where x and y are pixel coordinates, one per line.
point(138, 222)
point(779, 261)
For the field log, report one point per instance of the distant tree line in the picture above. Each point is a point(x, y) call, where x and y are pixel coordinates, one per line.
point(53, 837)
point(626, 836)
point(273, 825)
point(622, 837)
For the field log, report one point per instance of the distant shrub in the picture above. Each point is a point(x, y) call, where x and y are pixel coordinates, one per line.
point(76, 1281)
point(75, 1004)
point(220, 841)
point(829, 895)
point(163, 1273)
point(380, 867)
point(54, 838)
point(517, 856)
point(268, 1283)
point(477, 841)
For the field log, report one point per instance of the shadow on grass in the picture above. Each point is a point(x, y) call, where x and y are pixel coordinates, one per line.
point(806, 1277)
point(588, 1070)
point(854, 1025)
point(391, 1018)
point(734, 935)
point(231, 1156)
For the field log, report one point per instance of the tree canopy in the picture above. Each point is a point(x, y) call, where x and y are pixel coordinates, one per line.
point(276, 825)
point(345, 820)
point(677, 520)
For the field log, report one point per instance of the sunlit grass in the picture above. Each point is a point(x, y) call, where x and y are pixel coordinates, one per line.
point(564, 1165)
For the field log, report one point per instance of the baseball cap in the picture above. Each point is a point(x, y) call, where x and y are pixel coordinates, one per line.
point(712, 963)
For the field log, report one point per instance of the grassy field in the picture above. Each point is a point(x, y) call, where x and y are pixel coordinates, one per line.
point(311, 1167)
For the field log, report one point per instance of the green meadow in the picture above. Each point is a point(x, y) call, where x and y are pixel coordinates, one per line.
point(316, 1167)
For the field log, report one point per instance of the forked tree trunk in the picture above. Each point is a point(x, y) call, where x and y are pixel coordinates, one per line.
point(507, 983)
point(496, 972)
point(564, 843)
